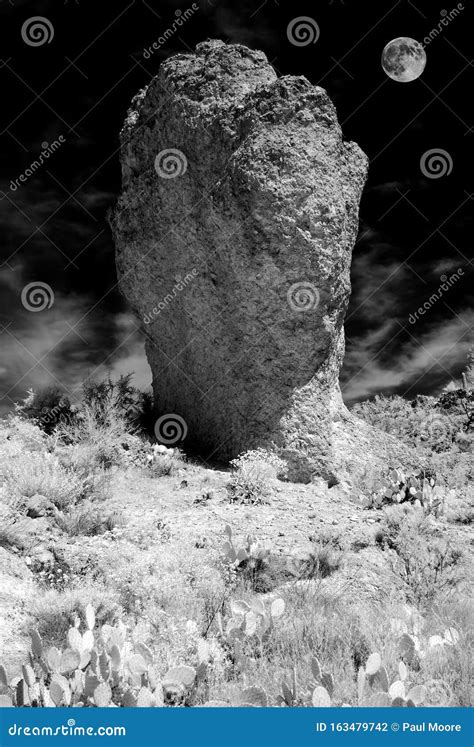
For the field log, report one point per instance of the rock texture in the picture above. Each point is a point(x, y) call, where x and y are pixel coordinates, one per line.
point(16, 589)
point(234, 232)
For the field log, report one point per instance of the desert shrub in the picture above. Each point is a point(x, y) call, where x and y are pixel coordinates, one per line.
point(394, 415)
point(324, 559)
point(19, 437)
point(102, 436)
point(454, 469)
point(419, 423)
point(460, 508)
point(253, 475)
point(104, 424)
point(166, 585)
point(110, 400)
point(47, 407)
point(459, 403)
point(88, 520)
point(86, 460)
point(42, 474)
point(83, 520)
point(429, 565)
point(163, 461)
point(51, 572)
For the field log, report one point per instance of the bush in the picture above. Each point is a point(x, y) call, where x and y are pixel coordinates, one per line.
point(162, 461)
point(254, 473)
point(110, 400)
point(324, 559)
point(460, 405)
point(42, 474)
point(86, 520)
point(428, 565)
point(47, 408)
point(100, 432)
point(420, 423)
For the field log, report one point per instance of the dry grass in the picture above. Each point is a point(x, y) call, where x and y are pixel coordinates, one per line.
point(54, 612)
point(42, 474)
point(172, 592)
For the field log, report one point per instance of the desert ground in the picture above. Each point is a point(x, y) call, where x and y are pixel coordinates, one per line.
point(133, 573)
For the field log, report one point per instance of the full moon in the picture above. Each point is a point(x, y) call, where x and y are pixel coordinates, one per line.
point(403, 59)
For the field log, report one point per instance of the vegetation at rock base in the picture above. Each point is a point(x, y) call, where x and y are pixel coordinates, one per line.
point(139, 577)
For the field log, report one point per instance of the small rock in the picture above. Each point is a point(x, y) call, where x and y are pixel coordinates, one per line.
point(37, 506)
point(43, 556)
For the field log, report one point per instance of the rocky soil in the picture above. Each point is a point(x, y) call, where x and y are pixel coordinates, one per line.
point(191, 509)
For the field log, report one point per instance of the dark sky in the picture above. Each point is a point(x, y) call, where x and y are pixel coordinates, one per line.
point(69, 95)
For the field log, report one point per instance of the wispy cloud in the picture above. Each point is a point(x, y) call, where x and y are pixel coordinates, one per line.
point(434, 356)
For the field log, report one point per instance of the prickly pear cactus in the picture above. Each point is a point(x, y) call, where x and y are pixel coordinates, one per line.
point(417, 489)
point(98, 667)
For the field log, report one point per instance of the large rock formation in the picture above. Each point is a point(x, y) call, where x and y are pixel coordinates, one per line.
point(234, 233)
